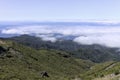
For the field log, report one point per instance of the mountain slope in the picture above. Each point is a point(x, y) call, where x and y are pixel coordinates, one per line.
point(95, 53)
point(18, 62)
point(103, 71)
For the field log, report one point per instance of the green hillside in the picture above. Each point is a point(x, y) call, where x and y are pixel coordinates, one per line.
point(103, 71)
point(95, 53)
point(21, 60)
point(18, 62)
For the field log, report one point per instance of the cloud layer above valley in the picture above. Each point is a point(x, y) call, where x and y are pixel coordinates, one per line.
point(103, 35)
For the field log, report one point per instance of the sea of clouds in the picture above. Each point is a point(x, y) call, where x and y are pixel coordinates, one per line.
point(103, 35)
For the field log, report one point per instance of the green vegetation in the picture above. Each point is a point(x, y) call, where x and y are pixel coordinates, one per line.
point(103, 71)
point(95, 53)
point(28, 57)
point(18, 62)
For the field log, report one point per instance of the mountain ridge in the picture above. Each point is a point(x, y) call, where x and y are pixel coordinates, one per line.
point(95, 53)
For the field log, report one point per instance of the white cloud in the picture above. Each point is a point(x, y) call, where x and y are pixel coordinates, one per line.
point(52, 39)
point(111, 40)
point(13, 31)
point(104, 35)
point(47, 37)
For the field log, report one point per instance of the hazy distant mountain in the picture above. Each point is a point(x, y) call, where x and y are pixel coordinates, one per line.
point(95, 53)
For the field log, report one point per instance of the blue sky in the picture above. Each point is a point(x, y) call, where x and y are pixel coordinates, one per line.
point(50, 10)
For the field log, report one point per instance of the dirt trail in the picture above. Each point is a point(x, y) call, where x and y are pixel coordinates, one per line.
point(112, 65)
point(77, 78)
point(109, 77)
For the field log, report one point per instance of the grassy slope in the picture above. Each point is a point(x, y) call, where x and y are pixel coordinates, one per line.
point(24, 63)
point(95, 53)
point(103, 71)
point(113, 73)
